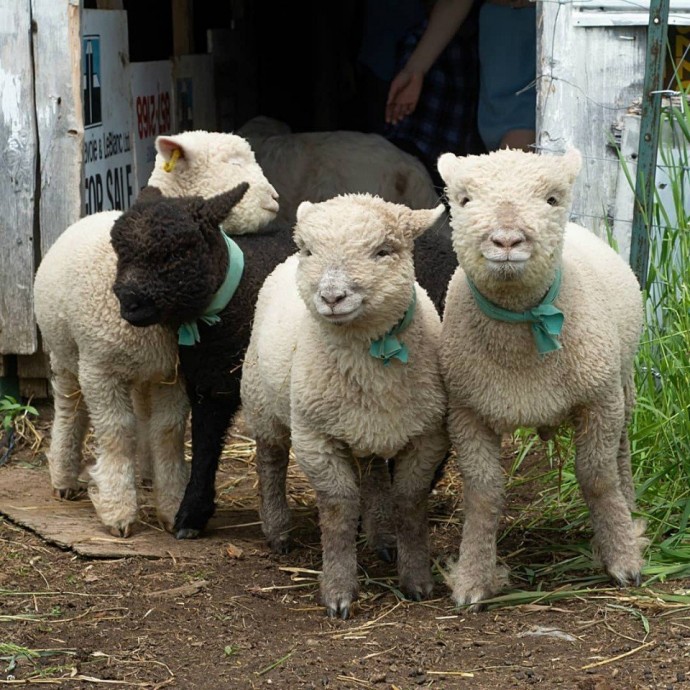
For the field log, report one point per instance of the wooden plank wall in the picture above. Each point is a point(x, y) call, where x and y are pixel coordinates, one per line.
point(587, 78)
point(60, 121)
point(17, 179)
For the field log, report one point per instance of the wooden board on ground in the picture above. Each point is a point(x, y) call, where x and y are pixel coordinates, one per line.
point(25, 498)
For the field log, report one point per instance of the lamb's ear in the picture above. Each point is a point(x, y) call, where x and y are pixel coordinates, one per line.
point(302, 209)
point(171, 150)
point(150, 193)
point(571, 163)
point(216, 209)
point(449, 166)
point(416, 222)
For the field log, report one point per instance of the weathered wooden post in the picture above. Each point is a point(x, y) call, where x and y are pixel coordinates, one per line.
point(649, 138)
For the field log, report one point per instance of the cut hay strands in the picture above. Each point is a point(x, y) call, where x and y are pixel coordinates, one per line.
point(462, 674)
point(610, 660)
point(365, 627)
point(87, 679)
point(273, 588)
point(356, 681)
point(301, 571)
point(270, 667)
point(648, 598)
point(244, 524)
point(470, 672)
point(373, 654)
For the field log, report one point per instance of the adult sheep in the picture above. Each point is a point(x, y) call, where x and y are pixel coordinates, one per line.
point(103, 368)
point(343, 361)
point(315, 166)
point(541, 326)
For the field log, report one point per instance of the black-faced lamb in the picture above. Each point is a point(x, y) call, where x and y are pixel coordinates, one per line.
point(124, 378)
point(182, 282)
point(343, 361)
point(541, 326)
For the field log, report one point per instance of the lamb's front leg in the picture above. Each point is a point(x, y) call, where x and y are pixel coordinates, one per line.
point(476, 576)
point(414, 472)
point(141, 400)
point(272, 458)
point(113, 486)
point(330, 470)
point(211, 417)
point(166, 427)
point(597, 444)
point(377, 508)
point(70, 422)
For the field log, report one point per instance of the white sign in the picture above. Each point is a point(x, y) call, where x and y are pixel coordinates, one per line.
point(152, 88)
point(108, 161)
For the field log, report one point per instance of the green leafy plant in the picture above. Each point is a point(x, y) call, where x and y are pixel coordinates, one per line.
point(15, 423)
point(11, 411)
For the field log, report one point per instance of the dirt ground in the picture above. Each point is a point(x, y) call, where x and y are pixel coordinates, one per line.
point(245, 618)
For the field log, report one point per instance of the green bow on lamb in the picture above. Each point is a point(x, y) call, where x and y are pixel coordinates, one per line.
point(546, 320)
point(388, 347)
point(188, 333)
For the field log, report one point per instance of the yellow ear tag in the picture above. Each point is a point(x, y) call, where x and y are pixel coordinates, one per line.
point(169, 166)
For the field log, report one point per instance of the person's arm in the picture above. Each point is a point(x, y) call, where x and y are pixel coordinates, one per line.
point(445, 19)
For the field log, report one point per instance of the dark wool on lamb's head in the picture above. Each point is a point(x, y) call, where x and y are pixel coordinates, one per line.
point(168, 263)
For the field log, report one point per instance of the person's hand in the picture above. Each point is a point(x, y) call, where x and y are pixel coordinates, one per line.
point(403, 95)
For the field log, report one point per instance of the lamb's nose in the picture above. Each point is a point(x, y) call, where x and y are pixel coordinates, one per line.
point(507, 239)
point(332, 297)
point(132, 300)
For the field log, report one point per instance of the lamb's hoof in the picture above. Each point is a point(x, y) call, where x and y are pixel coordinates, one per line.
point(386, 553)
point(67, 494)
point(190, 523)
point(472, 601)
point(343, 612)
point(167, 525)
point(338, 604)
point(122, 531)
point(623, 580)
point(417, 591)
point(280, 545)
point(472, 586)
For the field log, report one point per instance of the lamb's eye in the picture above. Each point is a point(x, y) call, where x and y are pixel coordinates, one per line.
point(464, 201)
point(552, 201)
point(383, 251)
point(306, 252)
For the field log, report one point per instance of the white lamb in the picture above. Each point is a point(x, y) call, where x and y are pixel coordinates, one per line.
point(344, 358)
point(315, 166)
point(541, 326)
point(104, 368)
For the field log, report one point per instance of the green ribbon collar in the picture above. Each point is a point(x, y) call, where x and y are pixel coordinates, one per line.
point(188, 333)
point(389, 347)
point(545, 319)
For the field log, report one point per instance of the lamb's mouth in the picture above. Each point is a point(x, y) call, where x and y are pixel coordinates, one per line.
point(506, 260)
point(146, 316)
point(342, 317)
